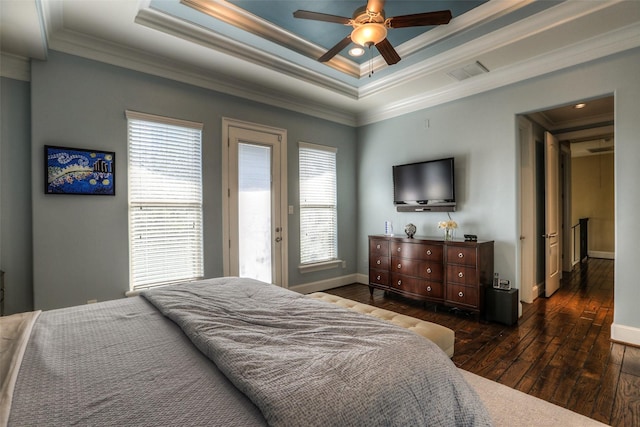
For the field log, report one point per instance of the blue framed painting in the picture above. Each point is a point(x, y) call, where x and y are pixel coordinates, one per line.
point(79, 171)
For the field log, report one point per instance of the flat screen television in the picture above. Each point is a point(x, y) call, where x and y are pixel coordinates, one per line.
point(429, 183)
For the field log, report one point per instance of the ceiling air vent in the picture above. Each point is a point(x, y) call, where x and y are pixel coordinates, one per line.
point(467, 71)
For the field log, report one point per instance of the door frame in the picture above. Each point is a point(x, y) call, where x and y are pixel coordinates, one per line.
point(226, 191)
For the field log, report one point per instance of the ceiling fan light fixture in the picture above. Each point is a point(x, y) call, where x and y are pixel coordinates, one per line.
point(368, 34)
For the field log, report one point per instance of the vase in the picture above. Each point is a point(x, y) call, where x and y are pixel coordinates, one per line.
point(410, 229)
point(448, 234)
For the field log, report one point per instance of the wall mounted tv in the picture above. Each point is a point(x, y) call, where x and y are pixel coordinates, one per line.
point(425, 186)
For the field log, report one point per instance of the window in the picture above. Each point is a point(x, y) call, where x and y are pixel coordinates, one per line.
point(318, 204)
point(165, 200)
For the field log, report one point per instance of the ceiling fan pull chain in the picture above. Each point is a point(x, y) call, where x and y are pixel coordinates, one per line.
point(370, 62)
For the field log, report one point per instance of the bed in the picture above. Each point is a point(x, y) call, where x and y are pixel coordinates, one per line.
point(228, 352)
point(233, 352)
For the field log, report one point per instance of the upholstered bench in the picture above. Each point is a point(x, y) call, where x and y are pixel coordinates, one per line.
point(442, 336)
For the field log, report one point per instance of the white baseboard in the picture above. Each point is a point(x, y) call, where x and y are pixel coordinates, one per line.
point(602, 254)
point(323, 285)
point(625, 334)
point(363, 278)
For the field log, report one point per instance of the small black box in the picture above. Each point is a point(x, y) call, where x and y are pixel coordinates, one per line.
point(501, 305)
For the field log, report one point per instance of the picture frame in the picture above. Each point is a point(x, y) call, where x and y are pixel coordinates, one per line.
point(79, 171)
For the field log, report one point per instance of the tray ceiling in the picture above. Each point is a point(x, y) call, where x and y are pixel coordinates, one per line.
point(257, 50)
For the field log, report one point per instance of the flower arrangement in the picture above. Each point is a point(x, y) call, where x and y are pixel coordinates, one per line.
point(451, 224)
point(448, 227)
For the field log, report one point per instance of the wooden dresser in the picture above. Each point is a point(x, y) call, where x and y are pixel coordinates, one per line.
point(453, 273)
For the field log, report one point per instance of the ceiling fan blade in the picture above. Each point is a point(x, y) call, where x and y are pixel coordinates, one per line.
point(388, 52)
point(316, 16)
point(375, 6)
point(336, 49)
point(421, 19)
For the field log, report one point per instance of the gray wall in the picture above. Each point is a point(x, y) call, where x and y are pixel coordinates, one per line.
point(15, 194)
point(81, 242)
point(480, 131)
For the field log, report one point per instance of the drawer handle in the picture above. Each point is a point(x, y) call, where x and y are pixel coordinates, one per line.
point(399, 249)
point(377, 246)
point(460, 294)
point(428, 288)
point(399, 282)
point(378, 277)
point(428, 251)
point(460, 255)
point(429, 270)
point(461, 274)
point(399, 266)
point(378, 262)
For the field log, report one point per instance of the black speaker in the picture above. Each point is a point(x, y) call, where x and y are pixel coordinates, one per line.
point(501, 305)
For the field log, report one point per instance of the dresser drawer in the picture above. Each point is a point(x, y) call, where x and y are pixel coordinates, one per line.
point(422, 251)
point(404, 283)
point(461, 255)
point(462, 275)
point(379, 276)
point(415, 286)
point(379, 262)
point(464, 295)
point(431, 289)
point(430, 270)
point(378, 247)
point(405, 266)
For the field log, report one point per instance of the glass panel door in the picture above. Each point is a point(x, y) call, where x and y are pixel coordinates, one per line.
point(254, 212)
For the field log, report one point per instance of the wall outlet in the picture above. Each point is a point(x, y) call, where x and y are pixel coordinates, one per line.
point(344, 264)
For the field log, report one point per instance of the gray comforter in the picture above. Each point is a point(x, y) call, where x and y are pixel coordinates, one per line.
point(308, 363)
point(121, 363)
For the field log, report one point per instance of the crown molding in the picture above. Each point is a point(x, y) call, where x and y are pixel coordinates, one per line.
point(521, 30)
point(204, 37)
point(244, 20)
point(240, 18)
point(139, 60)
point(615, 41)
point(490, 10)
point(15, 67)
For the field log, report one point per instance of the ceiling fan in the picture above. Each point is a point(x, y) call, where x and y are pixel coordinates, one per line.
point(370, 27)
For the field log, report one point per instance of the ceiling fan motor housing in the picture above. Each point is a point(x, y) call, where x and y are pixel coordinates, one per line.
point(362, 15)
point(369, 28)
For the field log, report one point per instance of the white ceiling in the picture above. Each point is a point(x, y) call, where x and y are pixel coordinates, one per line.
point(513, 39)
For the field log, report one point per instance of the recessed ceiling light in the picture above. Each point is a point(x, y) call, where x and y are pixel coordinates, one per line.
point(356, 51)
point(579, 106)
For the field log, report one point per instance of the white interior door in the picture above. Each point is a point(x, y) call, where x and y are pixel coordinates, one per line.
point(254, 222)
point(527, 211)
point(552, 215)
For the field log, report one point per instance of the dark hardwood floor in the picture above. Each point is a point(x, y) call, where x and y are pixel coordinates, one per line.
point(559, 351)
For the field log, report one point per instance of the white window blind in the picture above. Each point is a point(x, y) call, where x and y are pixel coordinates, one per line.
point(165, 200)
point(318, 204)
